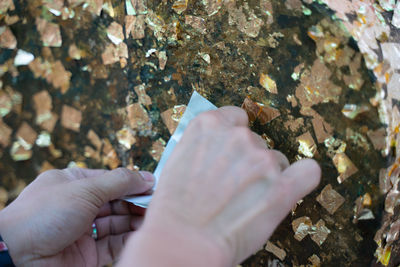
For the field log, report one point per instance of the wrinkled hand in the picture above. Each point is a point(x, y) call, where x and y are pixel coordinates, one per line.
point(220, 197)
point(49, 224)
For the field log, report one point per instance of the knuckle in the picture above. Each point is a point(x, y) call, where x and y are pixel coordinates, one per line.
point(244, 134)
point(270, 158)
point(122, 173)
point(208, 118)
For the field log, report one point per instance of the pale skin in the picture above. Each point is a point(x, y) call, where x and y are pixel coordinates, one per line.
point(220, 197)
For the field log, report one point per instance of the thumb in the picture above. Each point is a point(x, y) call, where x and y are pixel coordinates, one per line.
point(116, 184)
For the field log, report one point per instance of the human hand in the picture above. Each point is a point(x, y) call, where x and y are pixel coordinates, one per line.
point(49, 224)
point(220, 196)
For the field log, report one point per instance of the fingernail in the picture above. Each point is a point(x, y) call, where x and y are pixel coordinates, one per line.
point(147, 176)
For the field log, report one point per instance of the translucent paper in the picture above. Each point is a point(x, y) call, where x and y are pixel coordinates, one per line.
point(197, 105)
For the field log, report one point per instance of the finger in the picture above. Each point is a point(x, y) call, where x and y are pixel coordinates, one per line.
point(79, 173)
point(116, 184)
point(233, 116)
point(120, 207)
point(259, 141)
point(117, 224)
point(277, 158)
point(301, 178)
point(110, 247)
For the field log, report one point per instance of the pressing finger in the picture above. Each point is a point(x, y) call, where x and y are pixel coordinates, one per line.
point(234, 116)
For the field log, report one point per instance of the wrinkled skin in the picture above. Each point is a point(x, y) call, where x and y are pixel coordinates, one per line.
point(49, 224)
point(220, 197)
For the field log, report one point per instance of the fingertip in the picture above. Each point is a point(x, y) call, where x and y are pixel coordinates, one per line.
point(234, 115)
point(305, 173)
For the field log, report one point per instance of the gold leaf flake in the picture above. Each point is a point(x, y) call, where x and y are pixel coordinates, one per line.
point(71, 118)
point(157, 149)
point(212, 6)
point(5, 103)
point(26, 136)
point(114, 33)
point(59, 77)
point(110, 157)
point(344, 166)
point(135, 26)
point(330, 199)
point(74, 52)
point(301, 227)
point(113, 54)
point(320, 232)
point(7, 38)
point(136, 7)
point(277, 251)
point(162, 59)
point(6, 5)
point(179, 6)
point(172, 116)
point(307, 146)
point(144, 99)
point(351, 111)
point(197, 23)
point(268, 83)
point(19, 153)
point(5, 133)
point(378, 138)
point(49, 33)
point(94, 139)
point(138, 118)
point(126, 138)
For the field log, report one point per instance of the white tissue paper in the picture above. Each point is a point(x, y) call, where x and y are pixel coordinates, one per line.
point(197, 105)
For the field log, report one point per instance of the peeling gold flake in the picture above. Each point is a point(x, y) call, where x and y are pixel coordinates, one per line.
point(307, 146)
point(301, 227)
point(268, 83)
point(179, 6)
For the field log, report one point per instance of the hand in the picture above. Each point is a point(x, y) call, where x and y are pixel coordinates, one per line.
point(50, 222)
point(220, 197)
